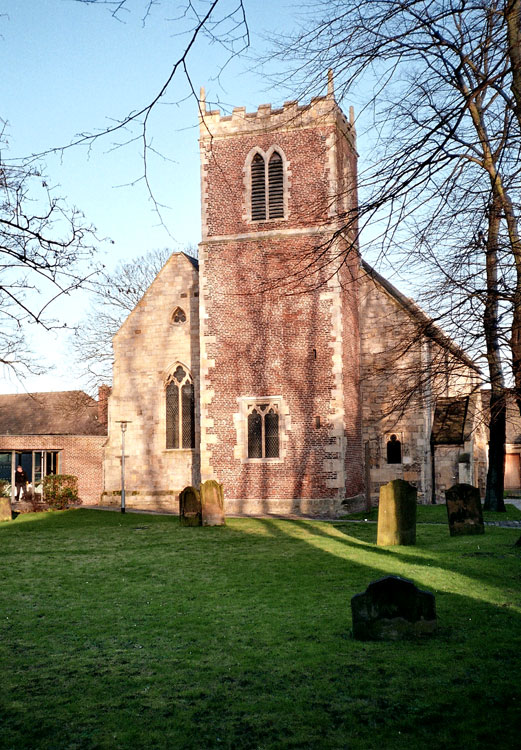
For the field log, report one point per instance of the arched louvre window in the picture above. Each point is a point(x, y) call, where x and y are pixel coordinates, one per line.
point(180, 410)
point(275, 187)
point(263, 430)
point(258, 188)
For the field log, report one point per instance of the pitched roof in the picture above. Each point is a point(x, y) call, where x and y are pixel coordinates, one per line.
point(56, 413)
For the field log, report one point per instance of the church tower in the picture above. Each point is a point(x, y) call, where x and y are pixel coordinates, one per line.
point(279, 376)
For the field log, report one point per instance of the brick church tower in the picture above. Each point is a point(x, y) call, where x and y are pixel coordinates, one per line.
point(279, 379)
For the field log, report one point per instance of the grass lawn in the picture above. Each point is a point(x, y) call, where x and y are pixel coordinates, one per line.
point(438, 514)
point(128, 631)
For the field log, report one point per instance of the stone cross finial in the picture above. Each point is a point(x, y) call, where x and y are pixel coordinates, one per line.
point(202, 100)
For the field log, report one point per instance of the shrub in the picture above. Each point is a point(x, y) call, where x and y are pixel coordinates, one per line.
point(60, 490)
point(5, 488)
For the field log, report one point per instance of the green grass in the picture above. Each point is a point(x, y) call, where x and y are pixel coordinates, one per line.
point(129, 631)
point(438, 514)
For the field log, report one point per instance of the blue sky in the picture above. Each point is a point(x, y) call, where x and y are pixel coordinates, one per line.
point(69, 67)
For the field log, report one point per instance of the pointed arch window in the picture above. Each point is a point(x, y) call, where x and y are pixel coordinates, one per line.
point(258, 188)
point(180, 410)
point(275, 187)
point(178, 316)
point(267, 187)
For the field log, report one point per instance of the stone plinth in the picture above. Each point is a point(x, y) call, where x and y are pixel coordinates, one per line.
point(393, 608)
point(397, 514)
point(464, 510)
point(190, 507)
point(212, 503)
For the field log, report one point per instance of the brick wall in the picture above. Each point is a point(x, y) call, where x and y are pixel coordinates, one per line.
point(266, 333)
point(81, 455)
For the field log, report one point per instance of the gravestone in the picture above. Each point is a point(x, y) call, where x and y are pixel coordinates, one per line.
point(212, 503)
point(5, 509)
point(464, 510)
point(393, 608)
point(397, 514)
point(190, 507)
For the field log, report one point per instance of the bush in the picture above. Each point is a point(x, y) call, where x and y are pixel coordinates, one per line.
point(5, 488)
point(60, 490)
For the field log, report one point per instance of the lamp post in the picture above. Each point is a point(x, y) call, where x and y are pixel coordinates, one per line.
point(123, 423)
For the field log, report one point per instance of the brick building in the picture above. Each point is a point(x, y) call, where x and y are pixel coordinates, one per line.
point(62, 432)
point(256, 366)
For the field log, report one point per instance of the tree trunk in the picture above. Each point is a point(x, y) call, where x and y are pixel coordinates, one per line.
point(496, 454)
point(497, 420)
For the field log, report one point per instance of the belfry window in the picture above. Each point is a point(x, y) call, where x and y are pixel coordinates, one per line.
point(263, 430)
point(180, 410)
point(258, 188)
point(267, 187)
point(276, 187)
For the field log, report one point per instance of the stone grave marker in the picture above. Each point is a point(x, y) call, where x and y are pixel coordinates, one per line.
point(464, 510)
point(5, 509)
point(397, 514)
point(392, 608)
point(190, 507)
point(212, 503)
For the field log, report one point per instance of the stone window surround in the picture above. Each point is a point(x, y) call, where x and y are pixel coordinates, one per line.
point(385, 439)
point(266, 155)
point(166, 380)
point(240, 419)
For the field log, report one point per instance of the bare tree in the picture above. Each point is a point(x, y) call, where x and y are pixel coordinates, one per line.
point(44, 246)
point(116, 294)
point(441, 81)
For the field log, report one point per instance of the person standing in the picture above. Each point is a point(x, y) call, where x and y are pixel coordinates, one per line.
point(20, 480)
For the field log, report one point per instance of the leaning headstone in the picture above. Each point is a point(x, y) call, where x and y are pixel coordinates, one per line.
point(393, 608)
point(464, 510)
point(397, 514)
point(190, 507)
point(212, 503)
point(5, 509)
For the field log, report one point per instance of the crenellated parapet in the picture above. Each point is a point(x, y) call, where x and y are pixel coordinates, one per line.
point(321, 110)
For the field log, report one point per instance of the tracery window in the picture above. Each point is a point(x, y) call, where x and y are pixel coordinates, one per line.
point(178, 316)
point(263, 430)
point(267, 187)
point(180, 410)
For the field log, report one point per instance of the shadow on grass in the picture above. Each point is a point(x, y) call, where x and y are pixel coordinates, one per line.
point(131, 631)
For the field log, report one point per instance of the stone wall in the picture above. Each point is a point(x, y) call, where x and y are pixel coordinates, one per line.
point(395, 355)
point(147, 349)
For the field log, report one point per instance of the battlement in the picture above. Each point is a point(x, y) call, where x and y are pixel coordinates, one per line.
point(321, 110)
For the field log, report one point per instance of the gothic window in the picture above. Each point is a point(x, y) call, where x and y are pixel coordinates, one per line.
point(267, 187)
point(276, 187)
point(258, 188)
point(394, 450)
point(263, 430)
point(178, 316)
point(180, 410)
